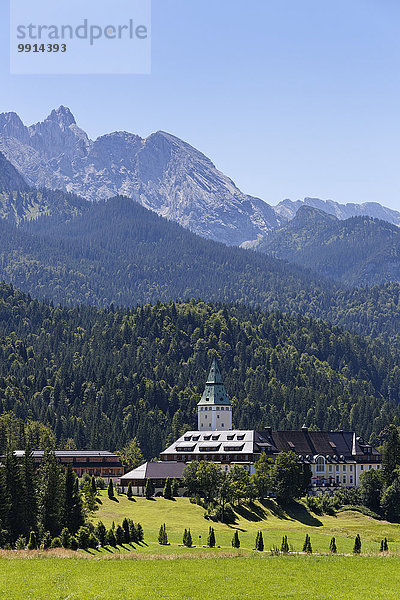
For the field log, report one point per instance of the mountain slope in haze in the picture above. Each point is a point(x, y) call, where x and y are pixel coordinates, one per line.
point(119, 252)
point(357, 251)
point(287, 209)
point(10, 178)
point(161, 172)
point(19, 202)
point(102, 377)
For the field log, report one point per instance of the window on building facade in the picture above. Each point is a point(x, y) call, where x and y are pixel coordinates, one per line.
point(344, 478)
point(337, 468)
point(320, 464)
point(330, 468)
point(351, 467)
point(362, 467)
point(351, 478)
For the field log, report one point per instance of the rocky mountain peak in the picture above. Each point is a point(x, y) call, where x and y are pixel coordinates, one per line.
point(63, 116)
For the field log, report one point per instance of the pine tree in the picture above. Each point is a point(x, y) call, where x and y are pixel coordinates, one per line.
point(119, 535)
point(132, 532)
point(139, 532)
point(385, 545)
point(162, 536)
point(73, 507)
point(175, 488)
point(381, 546)
point(332, 546)
point(187, 538)
point(167, 493)
point(211, 538)
point(32, 544)
point(235, 540)
point(110, 538)
point(129, 493)
point(51, 495)
point(100, 532)
point(149, 489)
point(357, 545)
point(307, 545)
point(259, 541)
point(110, 490)
point(284, 545)
point(28, 493)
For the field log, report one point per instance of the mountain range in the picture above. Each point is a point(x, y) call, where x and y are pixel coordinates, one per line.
point(357, 251)
point(161, 172)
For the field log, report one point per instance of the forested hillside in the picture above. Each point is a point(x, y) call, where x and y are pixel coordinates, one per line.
point(101, 377)
point(119, 252)
point(356, 252)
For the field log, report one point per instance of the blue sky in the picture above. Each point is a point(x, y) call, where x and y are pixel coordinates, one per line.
point(290, 98)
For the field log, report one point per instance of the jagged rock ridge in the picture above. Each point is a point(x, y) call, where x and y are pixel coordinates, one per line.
point(162, 172)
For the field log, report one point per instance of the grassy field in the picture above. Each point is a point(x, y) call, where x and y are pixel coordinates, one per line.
point(267, 517)
point(259, 578)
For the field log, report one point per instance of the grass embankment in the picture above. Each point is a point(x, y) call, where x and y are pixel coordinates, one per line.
point(267, 517)
point(260, 578)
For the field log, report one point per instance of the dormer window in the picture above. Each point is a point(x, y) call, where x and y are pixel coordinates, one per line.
point(320, 464)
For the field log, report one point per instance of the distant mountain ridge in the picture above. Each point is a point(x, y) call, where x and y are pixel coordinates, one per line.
point(161, 172)
point(287, 209)
point(357, 251)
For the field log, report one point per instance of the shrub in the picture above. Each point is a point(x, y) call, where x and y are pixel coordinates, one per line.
point(332, 546)
point(284, 545)
point(73, 543)
point(55, 543)
point(32, 544)
point(100, 483)
point(20, 544)
point(83, 537)
point(65, 538)
point(46, 541)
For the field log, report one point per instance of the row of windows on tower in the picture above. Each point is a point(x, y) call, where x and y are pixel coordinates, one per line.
point(214, 407)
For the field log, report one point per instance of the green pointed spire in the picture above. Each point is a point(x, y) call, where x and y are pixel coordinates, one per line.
point(214, 375)
point(214, 392)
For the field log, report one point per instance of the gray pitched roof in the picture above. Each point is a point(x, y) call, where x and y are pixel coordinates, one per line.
point(156, 470)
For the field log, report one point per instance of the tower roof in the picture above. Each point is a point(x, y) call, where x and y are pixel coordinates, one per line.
point(214, 391)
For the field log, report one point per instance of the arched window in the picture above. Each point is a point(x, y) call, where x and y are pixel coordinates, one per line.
point(320, 464)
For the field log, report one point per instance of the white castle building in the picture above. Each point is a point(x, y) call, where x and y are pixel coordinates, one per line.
point(336, 458)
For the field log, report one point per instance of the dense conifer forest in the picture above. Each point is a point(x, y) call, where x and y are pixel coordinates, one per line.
point(99, 377)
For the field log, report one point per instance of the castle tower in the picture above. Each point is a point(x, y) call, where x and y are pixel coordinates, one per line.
point(214, 411)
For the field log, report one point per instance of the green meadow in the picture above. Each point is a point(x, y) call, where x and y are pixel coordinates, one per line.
point(155, 572)
point(267, 517)
point(259, 578)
